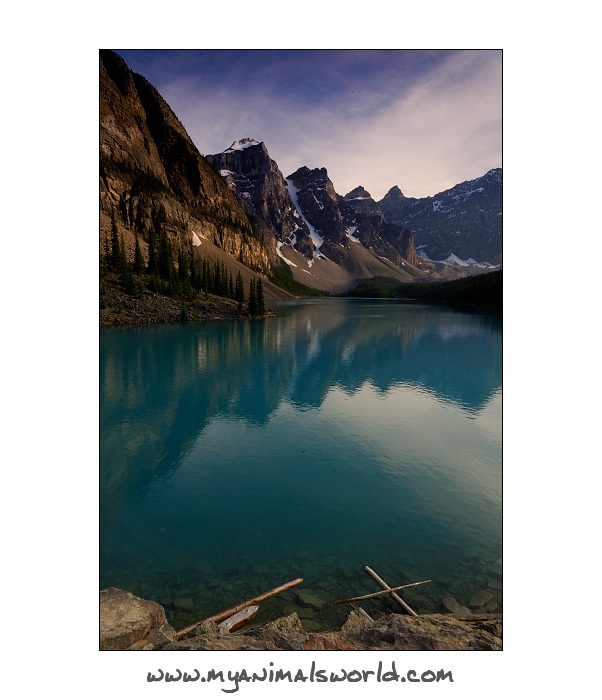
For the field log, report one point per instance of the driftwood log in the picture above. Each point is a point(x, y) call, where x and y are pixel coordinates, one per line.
point(237, 608)
point(389, 590)
point(241, 618)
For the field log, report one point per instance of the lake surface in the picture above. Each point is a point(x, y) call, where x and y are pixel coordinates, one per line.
point(237, 456)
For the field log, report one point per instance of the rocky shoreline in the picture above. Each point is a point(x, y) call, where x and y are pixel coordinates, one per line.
point(130, 623)
point(117, 308)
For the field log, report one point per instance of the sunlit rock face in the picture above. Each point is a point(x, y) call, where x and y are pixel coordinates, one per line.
point(151, 171)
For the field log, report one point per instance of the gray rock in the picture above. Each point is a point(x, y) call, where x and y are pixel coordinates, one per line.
point(206, 627)
point(291, 622)
point(126, 619)
point(355, 620)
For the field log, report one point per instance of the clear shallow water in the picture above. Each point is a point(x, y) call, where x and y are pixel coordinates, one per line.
point(237, 456)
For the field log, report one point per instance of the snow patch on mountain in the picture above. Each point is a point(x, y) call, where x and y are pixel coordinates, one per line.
point(465, 195)
point(286, 260)
point(454, 260)
point(241, 145)
point(291, 239)
point(313, 234)
point(350, 231)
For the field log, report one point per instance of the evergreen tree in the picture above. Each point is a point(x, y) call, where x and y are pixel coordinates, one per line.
point(253, 298)
point(183, 266)
point(195, 274)
point(230, 286)
point(152, 266)
point(223, 281)
point(206, 282)
point(123, 256)
point(105, 258)
point(216, 279)
point(165, 257)
point(260, 300)
point(239, 291)
point(138, 258)
point(127, 279)
point(117, 255)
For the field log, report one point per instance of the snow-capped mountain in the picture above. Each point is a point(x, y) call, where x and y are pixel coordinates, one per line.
point(256, 181)
point(237, 205)
point(305, 213)
point(464, 221)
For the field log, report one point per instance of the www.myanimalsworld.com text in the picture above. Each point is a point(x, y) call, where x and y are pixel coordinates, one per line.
point(232, 681)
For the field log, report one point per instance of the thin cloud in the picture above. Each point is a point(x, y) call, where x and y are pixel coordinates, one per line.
point(421, 120)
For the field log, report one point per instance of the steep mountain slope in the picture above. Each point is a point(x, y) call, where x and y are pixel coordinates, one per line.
point(257, 183)
point(313, 227)
point(337, 221)
point(464, 221)
point(150, 171)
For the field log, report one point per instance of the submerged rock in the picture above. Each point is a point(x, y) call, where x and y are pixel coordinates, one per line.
point(481, 599)
point(185, 604)
point(451, 605)
point(310, 599)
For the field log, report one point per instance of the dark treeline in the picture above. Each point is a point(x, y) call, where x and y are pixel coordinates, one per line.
point(483, 289)
point(173, 270)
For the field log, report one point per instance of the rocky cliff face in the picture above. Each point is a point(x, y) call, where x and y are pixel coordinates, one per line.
point(258, 185)
point(305, 212)
point(319, 205)
point(464, 221)
point(150, 170)
point(353, 218)
point(372, 228)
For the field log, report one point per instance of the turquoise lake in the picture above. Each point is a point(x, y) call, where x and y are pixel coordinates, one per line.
point(237, 456)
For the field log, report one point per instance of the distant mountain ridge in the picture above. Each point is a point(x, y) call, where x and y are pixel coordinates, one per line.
point(461, 227)
point(464, 221)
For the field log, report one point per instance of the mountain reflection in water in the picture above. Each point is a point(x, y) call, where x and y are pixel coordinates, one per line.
point(381, 379)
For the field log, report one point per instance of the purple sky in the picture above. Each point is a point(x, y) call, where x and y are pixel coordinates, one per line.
point(422, 120)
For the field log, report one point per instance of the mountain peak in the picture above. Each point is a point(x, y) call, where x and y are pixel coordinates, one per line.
point(394, 193)
point(358, 193)
point(242, 144)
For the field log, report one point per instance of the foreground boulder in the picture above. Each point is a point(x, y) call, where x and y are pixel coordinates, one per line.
point(126, 621)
